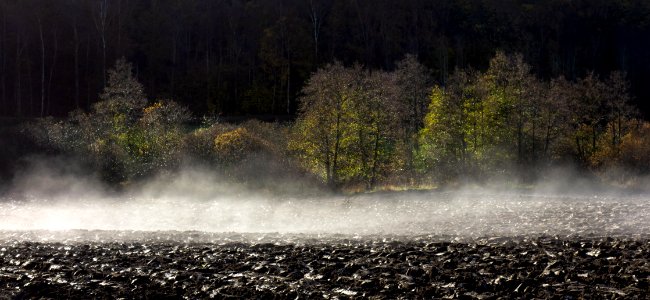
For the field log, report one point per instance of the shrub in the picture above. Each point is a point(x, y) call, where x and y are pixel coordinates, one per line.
point(199, 144)
point(238, 144)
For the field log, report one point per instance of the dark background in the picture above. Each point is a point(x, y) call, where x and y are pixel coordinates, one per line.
point(237, 57)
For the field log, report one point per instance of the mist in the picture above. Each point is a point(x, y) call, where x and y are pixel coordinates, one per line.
point(194, 199)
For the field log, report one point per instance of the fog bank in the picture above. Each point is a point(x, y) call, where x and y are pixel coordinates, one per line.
point(200, 201)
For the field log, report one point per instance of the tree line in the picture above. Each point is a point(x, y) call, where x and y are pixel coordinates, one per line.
point(241, 57)
point(363, 126)
point(361, 129)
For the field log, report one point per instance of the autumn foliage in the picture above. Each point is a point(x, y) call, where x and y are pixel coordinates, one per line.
point(365, 129)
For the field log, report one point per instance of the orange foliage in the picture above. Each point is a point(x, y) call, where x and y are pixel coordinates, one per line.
point(635, 148)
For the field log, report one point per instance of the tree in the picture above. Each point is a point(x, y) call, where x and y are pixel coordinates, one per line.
point(3, 58)
point(486, 122)
point(323, 130)
point(413, 83)
point(618, 106)
point(348, 129)
point(513, 102)
point(317, 11)
point(376, 121)
point(453, 137)
point(123, 95)
point(557, 109)
point(102, 22)
point(608, 121)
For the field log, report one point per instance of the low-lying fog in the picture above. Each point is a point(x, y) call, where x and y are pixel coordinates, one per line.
point(196, 201)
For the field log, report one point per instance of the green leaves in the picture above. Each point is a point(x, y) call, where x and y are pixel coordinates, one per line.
point(507, 119)
point(121, 137)
point(349, 129)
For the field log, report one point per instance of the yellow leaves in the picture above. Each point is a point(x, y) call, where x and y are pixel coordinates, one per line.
point(231, 143)
point(635, 147)
point(151, 109)
point(632, 153)
point(432, 118)
point(235, 145)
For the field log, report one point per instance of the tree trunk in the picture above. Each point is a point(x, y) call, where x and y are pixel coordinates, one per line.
point(581, 154)
point(619, 135)
point(316, 23)
point(337, 144)
point(364, 156)
point(76, 65)
point(593, 139)
point(3, 65)
point(103, 60)
point(30, 90)
point(17, 83)
point(52, 68)
point(520, 146)
point(88, 81)
point(273, 97)
point(365, 35)
point(40, 31)
point(119, 28)
point(547, 140)
point(101, 23)
point(208, 99)
point(375, 163)
point(173, 71)
point(328, 162)
point(289, 86)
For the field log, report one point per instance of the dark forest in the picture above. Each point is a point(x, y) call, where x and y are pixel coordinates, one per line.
point(235, 57)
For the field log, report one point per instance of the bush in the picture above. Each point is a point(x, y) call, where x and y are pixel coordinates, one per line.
point(199, 144)
point(242, 143)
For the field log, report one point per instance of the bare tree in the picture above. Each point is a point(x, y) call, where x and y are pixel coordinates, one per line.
point(102, 22)
point(40, 32)
point(55, 55)
point(76, 43)
point(3, 57)
point(318, 10)
point(20, 47)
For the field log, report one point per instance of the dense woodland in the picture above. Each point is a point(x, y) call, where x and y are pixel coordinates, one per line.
point(370, 94)
point(252, 57)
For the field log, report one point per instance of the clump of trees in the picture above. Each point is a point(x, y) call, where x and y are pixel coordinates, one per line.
point(507, 119)
point(362, 129)
point(122, 136)
point(357, 126)
point(353, 126)
point(126, 137)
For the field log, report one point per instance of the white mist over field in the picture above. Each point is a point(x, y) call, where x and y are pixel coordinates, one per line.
point(198, 201)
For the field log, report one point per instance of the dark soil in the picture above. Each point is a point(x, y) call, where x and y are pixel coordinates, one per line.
point(541, 267)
